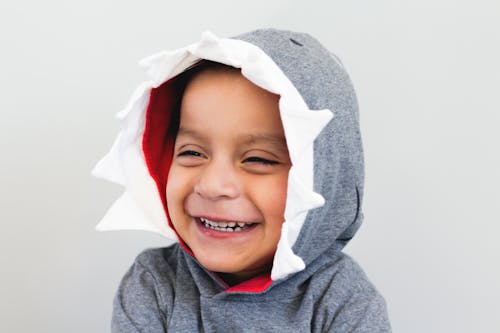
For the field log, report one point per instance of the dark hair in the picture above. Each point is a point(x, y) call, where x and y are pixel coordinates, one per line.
point(198, 67)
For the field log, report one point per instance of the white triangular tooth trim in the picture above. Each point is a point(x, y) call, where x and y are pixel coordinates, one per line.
point(127, 156)
point(150, 63)
point(168, 66)
point(208, 36)
point(136, 99)
point(161, 63)
point(263, 72)
point(285, 261)
point(274, 80)
point(110, 167)
point(134, 123)
point(124, 214)
point(217, 49)
point(143, 189)
point(302, 127)
point(300, 198)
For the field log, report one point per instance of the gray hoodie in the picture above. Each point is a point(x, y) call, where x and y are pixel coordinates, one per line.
point(313, 286)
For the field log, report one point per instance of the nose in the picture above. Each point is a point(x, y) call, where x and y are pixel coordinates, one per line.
point(218, 180)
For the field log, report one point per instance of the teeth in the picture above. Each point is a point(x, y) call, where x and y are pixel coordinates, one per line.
point(225, 226)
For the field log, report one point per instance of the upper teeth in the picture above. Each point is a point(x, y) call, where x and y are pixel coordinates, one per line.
point(224, 224)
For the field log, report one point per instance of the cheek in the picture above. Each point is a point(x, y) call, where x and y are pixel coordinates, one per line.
point(269, 195)
point(170, 188)
point(176, 190)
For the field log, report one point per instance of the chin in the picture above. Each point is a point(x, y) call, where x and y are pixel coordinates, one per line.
point(236, 266)
point(220, 266)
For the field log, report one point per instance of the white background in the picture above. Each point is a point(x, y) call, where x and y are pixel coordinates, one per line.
point(427, 78)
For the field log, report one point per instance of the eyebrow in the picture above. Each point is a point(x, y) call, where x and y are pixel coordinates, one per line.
point(278, 141)
point(188, 132)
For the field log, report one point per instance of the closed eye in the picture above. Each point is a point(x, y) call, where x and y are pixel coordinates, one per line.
point(260, 160)
point(190, 158)
point(190, 153)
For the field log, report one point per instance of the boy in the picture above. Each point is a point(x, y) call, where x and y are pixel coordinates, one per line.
point(232, 152)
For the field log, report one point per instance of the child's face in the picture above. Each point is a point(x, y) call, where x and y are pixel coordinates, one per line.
point(230, 168)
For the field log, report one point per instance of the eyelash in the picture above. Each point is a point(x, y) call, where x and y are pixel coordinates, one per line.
point(260, 160)
point(252, 159)
point(190, 153)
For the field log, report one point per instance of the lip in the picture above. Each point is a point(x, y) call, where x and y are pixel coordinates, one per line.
point(222, 219)
point(223, 234)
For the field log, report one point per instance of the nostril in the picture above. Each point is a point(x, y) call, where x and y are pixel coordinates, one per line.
point(295, 42)
point(215, 184)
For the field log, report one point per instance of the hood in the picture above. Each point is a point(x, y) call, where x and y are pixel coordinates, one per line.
point(319, 113)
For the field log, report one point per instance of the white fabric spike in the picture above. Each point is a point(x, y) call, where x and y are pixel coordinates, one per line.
point(285, 261)
point(116, 220)
point(111, 166)
point(164, 65)
point(302, 127)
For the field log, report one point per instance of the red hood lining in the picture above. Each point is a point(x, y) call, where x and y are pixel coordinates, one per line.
point(162, 123)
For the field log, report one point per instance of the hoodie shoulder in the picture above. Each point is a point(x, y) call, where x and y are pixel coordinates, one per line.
point(146, 292)
point(347, 301)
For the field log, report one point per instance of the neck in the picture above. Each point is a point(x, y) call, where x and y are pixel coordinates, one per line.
point(233, 279)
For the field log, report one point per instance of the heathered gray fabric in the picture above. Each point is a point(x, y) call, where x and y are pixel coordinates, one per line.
point(166, 290)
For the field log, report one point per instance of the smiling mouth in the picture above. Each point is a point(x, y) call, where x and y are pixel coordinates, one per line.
point(225, 226)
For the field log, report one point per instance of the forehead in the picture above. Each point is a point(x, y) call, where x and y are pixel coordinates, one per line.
point(223, 99)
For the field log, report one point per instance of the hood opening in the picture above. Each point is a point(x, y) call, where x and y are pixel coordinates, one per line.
point(162, 124)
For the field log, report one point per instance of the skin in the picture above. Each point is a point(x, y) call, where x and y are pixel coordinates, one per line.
point(230, 163)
